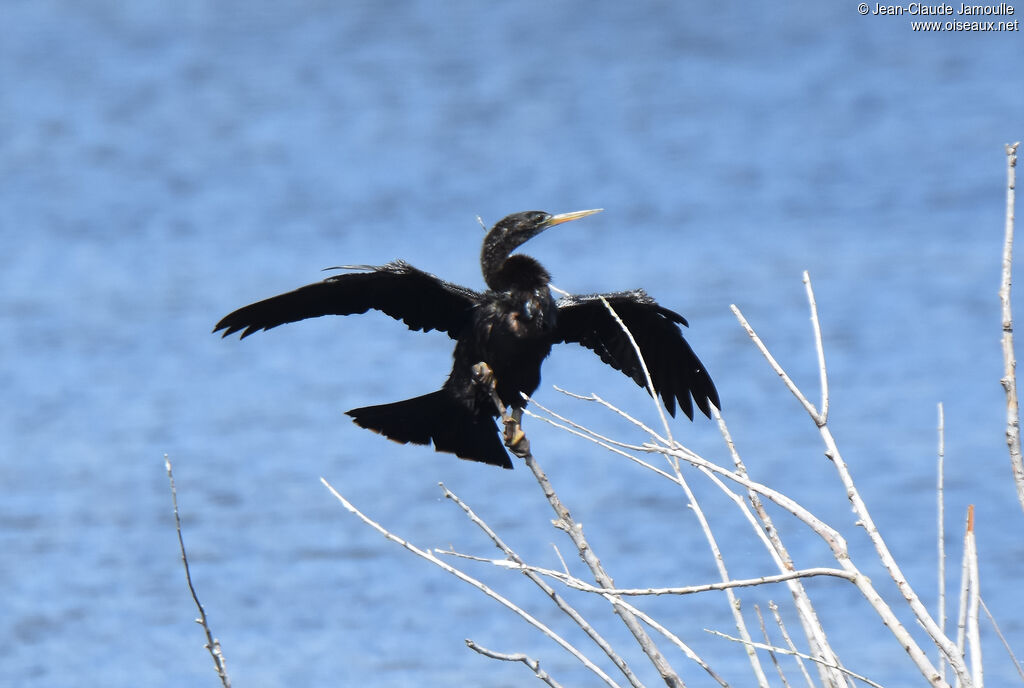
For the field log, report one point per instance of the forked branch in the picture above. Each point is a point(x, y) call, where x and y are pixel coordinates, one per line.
point(865, 519)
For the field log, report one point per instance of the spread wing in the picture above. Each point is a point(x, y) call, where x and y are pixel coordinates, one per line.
point(419, 299)
point(675, 370)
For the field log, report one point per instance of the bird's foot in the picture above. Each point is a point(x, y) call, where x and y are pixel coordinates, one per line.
point(483, 375)
point(515, 438)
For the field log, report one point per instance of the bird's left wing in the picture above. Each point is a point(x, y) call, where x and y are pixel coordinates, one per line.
point(675, 370)
point(419, 299)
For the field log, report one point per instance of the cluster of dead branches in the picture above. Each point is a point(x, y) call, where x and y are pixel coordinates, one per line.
point(947, 656)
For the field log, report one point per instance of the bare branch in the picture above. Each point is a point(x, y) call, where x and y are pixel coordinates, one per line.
point(533, 664)
point(973, 633)
point(822, 371)
point(1009, 380)
point(776, 367)
point(789, 643)
point(575, 583)
point(643, 364)
point(583, 431)
point(608, 405)
point(965, 589)
point(786, 651)
point(771, 654)
point(1002, 638)
point(212, 644)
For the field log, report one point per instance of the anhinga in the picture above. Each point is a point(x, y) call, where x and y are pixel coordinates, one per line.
point(511, 328)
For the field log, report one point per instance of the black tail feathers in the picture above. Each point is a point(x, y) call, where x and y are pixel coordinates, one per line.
point(437, 418)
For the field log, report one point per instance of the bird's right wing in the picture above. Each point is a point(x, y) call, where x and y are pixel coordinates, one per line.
point(419, 299)
point(677, 373)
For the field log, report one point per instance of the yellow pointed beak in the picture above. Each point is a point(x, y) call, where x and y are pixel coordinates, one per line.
point(569, 217)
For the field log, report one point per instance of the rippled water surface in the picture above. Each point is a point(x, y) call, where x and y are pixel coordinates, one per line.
point(164, 163)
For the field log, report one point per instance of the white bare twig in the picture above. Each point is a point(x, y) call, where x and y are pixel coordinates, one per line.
point(808, 406)
point(786, 651)
point(212, 644)
point(1002, 638)
point(822, 417)
point(643, 364)
point(587, 433)
point(1009, 380)
point(533, 664)
point(771, 653)
point(611, 407)
point(962, 609)
point(789, 643)
point(968, 636)
point(973, 632)
point(575, 583)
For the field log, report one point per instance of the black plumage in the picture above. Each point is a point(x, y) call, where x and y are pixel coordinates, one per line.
point(511, 327)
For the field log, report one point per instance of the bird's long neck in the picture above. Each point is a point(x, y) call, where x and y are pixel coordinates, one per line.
point(493, 256)
point(516, 272)
point(504, 271)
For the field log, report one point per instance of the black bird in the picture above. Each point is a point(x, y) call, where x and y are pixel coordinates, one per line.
point(511, 327)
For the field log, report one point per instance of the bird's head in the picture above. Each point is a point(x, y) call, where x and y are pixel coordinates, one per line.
point(513, 231)
point(499, 270)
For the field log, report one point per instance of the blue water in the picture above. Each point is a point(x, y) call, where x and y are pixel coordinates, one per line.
point(165, 163)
